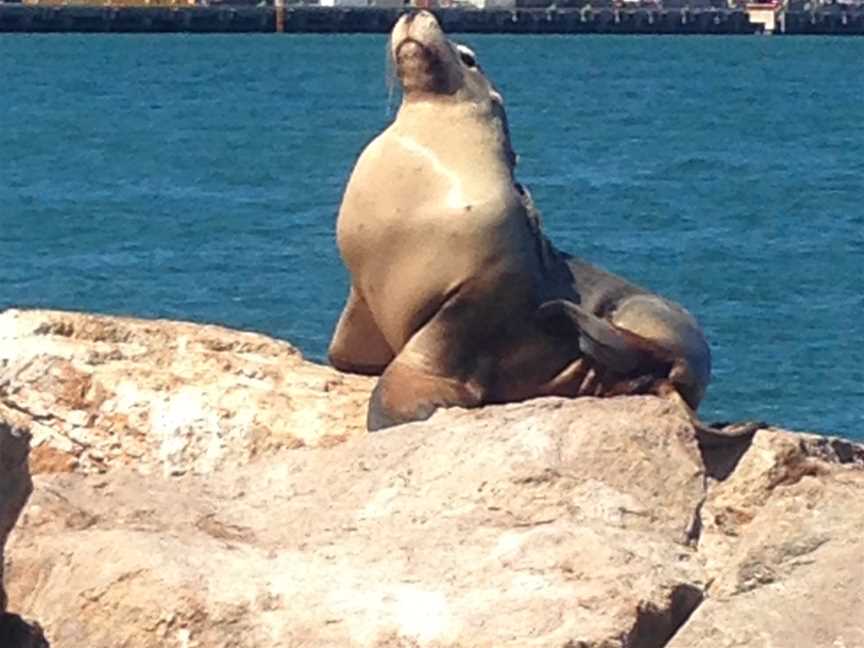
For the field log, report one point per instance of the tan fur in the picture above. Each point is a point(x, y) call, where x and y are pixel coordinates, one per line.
point(431, 213)
point(448, 262)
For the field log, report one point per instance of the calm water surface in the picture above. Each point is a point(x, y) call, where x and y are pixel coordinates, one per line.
point(198, 177)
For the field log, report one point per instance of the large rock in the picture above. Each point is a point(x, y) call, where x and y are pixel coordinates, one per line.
point(584, 523)
point(522, 525)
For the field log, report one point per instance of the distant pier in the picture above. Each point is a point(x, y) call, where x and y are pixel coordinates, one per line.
point(16, 17)
point(308, 19)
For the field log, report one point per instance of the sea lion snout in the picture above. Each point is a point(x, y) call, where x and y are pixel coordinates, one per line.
point(428, 64)
point(421, 16)
point(411, 48)
point(421, 26)
point(411, 14)
point(424, 60)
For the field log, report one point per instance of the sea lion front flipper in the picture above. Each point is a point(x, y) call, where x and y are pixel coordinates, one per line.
point(358, 346)
point(404, 394)
point(611, 346)
point(439, 366)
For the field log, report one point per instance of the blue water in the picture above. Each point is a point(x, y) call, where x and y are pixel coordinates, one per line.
point(198, 177)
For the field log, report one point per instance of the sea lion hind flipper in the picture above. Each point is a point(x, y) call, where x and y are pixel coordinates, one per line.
point(599, 339)
point(714, 435)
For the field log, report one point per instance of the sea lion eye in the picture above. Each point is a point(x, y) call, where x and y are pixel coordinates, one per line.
point(467, 56)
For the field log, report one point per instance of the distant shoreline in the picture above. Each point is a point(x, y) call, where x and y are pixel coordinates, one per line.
point(22, 18)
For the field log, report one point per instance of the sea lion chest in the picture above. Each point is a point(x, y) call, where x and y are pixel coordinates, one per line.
point(425, 211)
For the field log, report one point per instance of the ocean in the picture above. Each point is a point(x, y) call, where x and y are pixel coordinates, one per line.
point(198, 178)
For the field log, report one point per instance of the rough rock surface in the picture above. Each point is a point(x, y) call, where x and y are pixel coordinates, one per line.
point(580, 524)
point(162, 396)
point(783, 539)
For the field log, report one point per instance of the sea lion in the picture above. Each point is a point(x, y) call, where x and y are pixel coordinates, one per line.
point(457, 297)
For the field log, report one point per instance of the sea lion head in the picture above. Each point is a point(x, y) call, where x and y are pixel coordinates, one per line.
point(430, 66)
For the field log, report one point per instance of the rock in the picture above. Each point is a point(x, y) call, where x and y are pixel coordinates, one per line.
point(569, 524)
point(164, 396)
point(783, 538)
point(573, 523)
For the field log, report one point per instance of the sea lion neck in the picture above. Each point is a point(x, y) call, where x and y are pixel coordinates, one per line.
point(457, 129)
point(463, 128)
point(450, 122)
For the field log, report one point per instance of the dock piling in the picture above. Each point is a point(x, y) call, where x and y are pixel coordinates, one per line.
point(279, 7)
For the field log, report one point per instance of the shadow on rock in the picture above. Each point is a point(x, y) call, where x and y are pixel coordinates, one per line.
point(721, 459)
point(15, 632)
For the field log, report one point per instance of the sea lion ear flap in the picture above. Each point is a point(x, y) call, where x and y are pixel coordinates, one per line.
point(467, 56)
